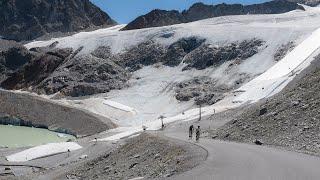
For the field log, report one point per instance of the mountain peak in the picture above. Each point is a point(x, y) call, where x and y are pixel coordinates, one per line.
point(200, 11)
point(30, 19)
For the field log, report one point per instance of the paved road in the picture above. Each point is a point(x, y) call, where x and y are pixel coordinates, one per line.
point(234, 161)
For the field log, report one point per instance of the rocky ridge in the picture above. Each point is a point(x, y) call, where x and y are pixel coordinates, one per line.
point(198, 11)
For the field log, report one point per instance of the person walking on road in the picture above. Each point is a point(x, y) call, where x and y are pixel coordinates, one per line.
point(191, 131)
point(198, 134)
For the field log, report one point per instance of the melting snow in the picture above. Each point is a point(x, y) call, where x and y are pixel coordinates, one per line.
point(43, 151)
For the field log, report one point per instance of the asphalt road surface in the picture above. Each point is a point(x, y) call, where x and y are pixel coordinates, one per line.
point(235, 161)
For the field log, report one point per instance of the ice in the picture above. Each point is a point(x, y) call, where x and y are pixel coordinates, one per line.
point(43, 151)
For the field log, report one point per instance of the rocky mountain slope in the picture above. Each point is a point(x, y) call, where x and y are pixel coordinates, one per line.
point(30, 19)
point(37, 65)
point(50, 70)
point(289, 119)
point(198, 11)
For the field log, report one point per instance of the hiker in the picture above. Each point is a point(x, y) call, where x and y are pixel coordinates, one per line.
point(190, 131)
point(162, 123)
point(198, 133)
point(69, 152)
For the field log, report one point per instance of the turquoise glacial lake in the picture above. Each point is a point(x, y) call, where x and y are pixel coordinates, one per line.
point(19, 136)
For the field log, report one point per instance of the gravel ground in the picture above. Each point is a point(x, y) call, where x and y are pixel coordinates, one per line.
point(148, 155)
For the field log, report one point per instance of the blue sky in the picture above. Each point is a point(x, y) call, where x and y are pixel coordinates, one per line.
point(124, 11)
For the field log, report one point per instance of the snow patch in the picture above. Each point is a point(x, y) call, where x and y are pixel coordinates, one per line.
point(119, 106)
point(43, 151)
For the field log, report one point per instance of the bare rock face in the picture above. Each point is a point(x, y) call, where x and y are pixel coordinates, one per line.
point(200, 11)
point(178, 50)
point(203, 90)
point(208, 55)
point(37, 69)
point(103, 52)
point(48, 70)
point(144, 54)
point(12, 59)
point(284, 50)
point(85, 75)
point(29, 19)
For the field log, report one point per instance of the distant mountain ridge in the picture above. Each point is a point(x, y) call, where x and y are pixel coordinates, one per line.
point(198, 11)
point(307, 2)
point(29, 19)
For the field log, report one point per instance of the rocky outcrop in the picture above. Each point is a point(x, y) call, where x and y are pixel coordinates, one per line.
point(203, 90)
point(283, 50)
point(12, 59)
point(307, 2)
point(30, 19)
point(178, 50)
point(85, 75)
point(39, 67)
point(200, 11)
point(289, 119)
point(209, 55)
point(144, 54)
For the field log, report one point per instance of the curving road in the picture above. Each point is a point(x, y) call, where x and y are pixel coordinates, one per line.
point(235, 161)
